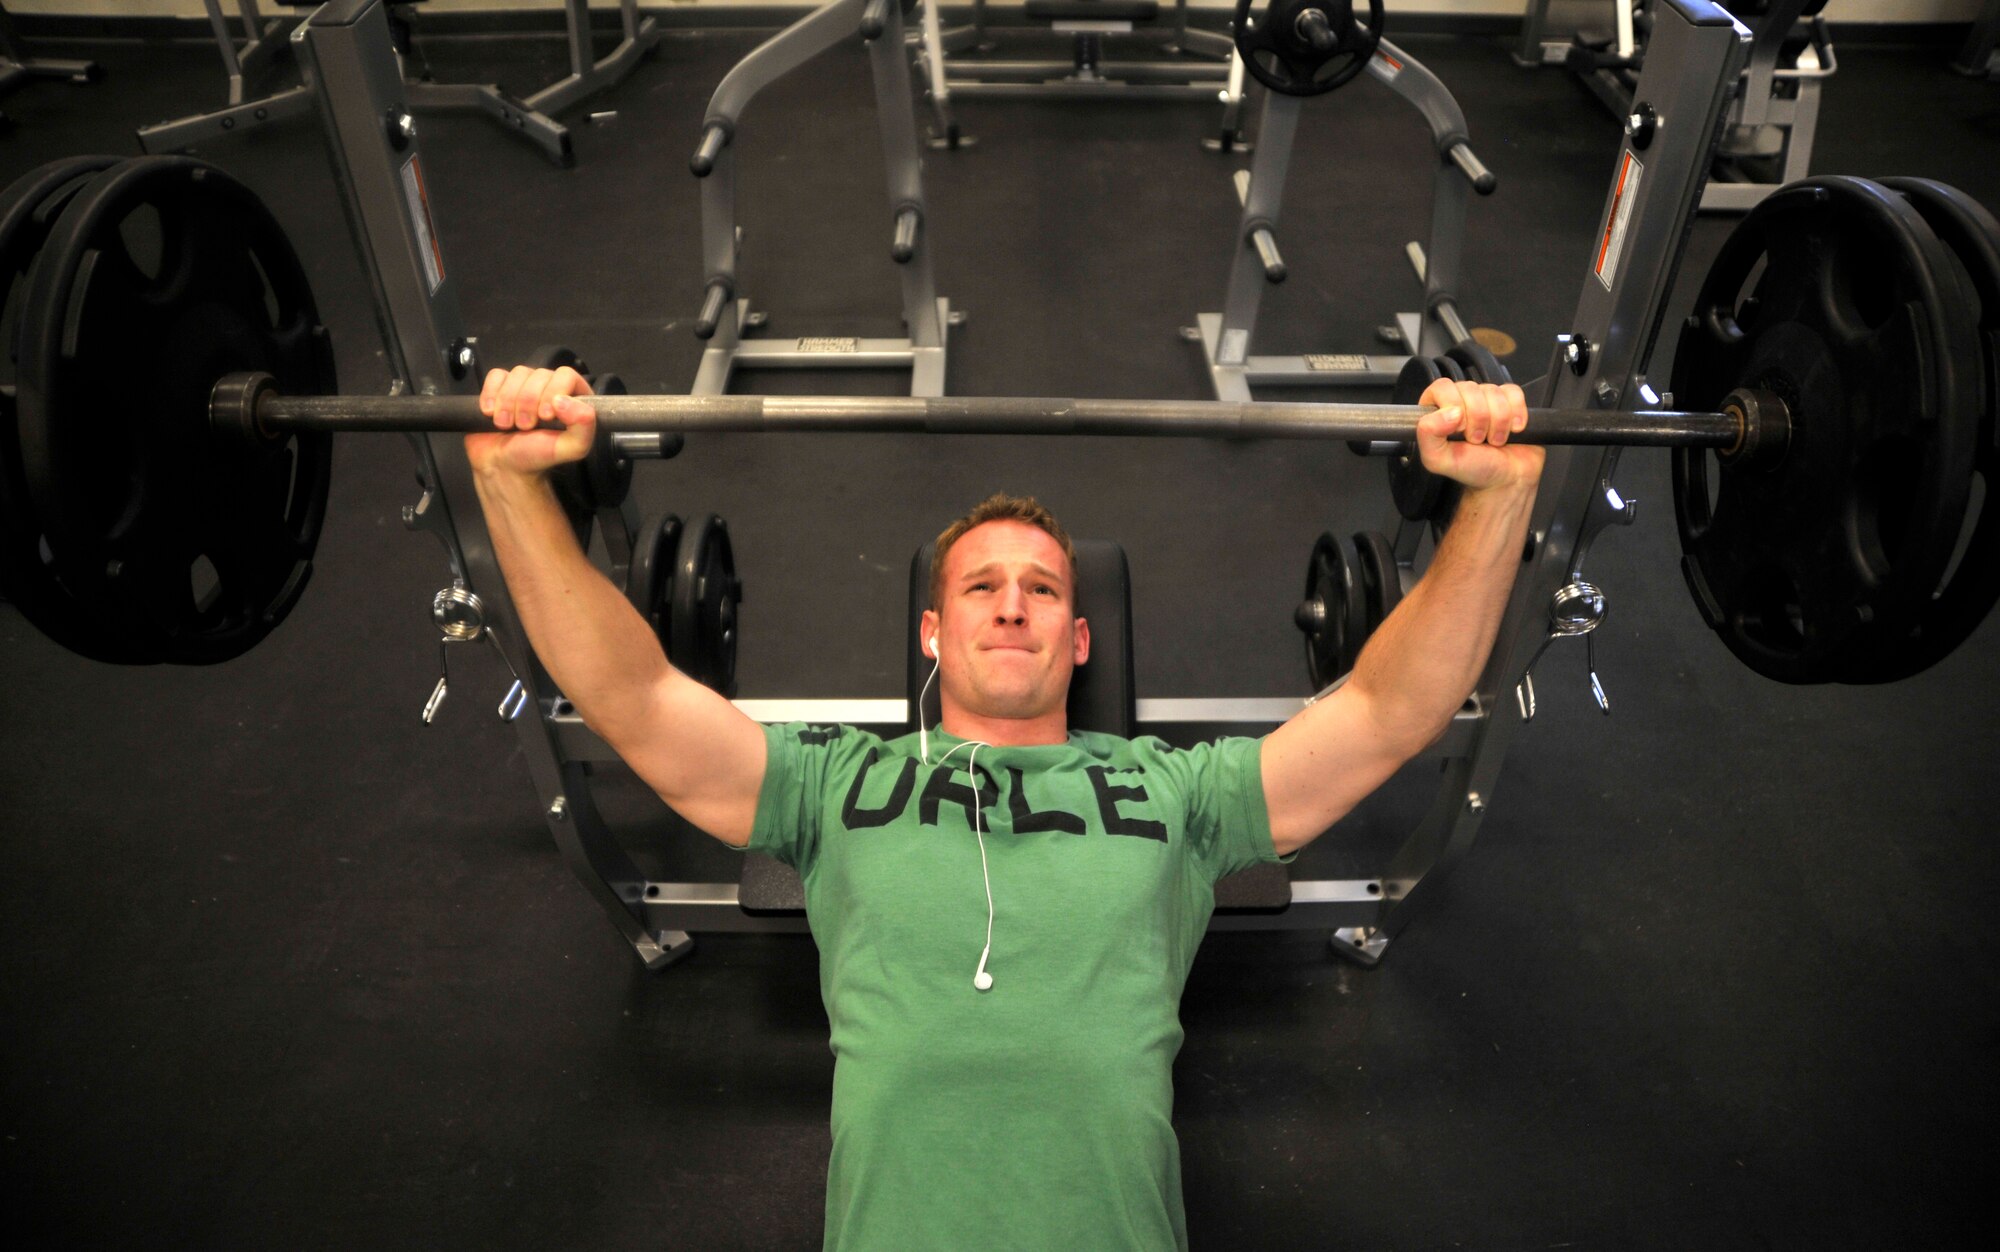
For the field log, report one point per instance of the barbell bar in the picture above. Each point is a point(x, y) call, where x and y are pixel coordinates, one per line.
point(249, 406)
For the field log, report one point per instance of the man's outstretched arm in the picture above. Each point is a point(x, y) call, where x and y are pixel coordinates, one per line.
point(1424, 660)
point(696, 749)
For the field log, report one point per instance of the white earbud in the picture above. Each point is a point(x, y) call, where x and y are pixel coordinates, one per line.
point(933, 647)
point(983, 981)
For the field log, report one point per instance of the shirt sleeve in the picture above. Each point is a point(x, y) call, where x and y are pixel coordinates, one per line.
point(1228, 827)
point(799, 762)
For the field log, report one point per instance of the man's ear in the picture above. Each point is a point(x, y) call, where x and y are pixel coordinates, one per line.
point(1081, 652)
point(927, 628)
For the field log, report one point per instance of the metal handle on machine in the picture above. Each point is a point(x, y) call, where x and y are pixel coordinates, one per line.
point(1472, 167)
point(904, 246)
point(1266, 245)
point(711, 308)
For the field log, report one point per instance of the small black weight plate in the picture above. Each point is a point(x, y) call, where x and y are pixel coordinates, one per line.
point(1836, 296)
point(704, 597)
point(1478, 363)
point(650, 581)
point(1416, 491)
point(1331, 615)
point(161, 276)
point(1276, 53)
point(1381, 581)
point(28, 209)
point(608, 473)
point(1973, 585)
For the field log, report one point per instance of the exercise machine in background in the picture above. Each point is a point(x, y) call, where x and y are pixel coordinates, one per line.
point(1196, 64)
point(725, 313)
point(1768, 137)
point(1302, 48)
point(532, 118)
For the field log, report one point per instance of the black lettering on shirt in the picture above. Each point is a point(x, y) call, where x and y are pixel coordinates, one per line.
point(854, 817)
point(1028, 822)
point(940, 789)
point(1108, 796)
point(820, 736)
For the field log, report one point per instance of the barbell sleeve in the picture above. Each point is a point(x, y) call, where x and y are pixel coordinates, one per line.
point(249, 406)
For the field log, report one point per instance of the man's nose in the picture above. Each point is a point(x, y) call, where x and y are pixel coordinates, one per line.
point(1013, 606)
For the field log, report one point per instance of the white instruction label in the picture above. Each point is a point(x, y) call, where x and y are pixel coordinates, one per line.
point(420, 217)
point(1611, 247)
point(826, 343)
point(1337, 362)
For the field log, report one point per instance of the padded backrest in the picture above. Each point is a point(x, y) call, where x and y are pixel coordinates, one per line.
point(1101, 695)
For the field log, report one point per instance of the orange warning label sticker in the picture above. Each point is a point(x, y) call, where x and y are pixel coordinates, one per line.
point(1624, 194)
point(420, 218)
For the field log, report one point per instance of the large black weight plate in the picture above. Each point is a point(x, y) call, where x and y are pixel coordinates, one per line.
point(1835, 295)
point(603, 478)
point(161, 276)
point(28, 209)
point(704, 596)
point(1959, 606)
point(649, 583)
point(1478, 362)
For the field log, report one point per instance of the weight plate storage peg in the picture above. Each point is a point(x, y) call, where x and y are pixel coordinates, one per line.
point(161, 276)
point(704, 596)
point(28, 577)
point(1819, 564)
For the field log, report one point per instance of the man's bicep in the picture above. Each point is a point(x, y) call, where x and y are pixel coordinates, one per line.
point(1323, 762)
point(703, 755)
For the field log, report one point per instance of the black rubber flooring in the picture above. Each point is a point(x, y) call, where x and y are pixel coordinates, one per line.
point(283, 967)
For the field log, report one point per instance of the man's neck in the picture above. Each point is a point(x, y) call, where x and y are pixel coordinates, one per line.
point(1007, 732)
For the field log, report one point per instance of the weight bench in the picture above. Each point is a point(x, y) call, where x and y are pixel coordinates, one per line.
point(1101, 698)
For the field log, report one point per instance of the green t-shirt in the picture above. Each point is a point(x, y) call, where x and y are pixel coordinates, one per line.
point(1036, 1114)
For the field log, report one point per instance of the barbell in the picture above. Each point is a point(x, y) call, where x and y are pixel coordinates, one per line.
point(164, 474)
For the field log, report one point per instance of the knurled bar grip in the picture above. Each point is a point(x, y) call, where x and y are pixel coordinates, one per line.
point(975, 415)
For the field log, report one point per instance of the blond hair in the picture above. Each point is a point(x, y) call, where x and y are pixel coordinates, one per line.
point(1000, 507)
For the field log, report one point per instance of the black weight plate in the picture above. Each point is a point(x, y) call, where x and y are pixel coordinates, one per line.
point(1332, 615)
point(1380, 578)
point(1416, 491)
point(161, 276)
point(1278, 56)
point(704, 597)
point(650, 581)
point(1835, 295)
point(1478, 362)
point(28, 209)
point(609, 474)
point(1959, 606)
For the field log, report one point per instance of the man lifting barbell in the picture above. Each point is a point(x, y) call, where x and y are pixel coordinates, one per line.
point(1003, 1076)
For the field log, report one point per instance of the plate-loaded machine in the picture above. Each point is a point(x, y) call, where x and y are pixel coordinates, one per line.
point(725, 314)
point(1696, 53)
point(1599, 367)
point(1772, 118)
point(1293, 66)
point(1219, 76)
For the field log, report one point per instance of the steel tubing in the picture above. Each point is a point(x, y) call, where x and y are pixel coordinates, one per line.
point(996, 415)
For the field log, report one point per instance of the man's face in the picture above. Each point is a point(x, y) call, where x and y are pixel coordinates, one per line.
point(1007, 631)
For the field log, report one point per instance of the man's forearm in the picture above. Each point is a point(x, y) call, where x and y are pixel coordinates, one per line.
point(588, 636)
point(1427, 656)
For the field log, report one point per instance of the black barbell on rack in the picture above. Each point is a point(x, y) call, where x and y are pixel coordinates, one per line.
point(164, 453)
point(250, 407)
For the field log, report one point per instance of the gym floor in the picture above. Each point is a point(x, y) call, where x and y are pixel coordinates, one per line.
point(284, 967)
